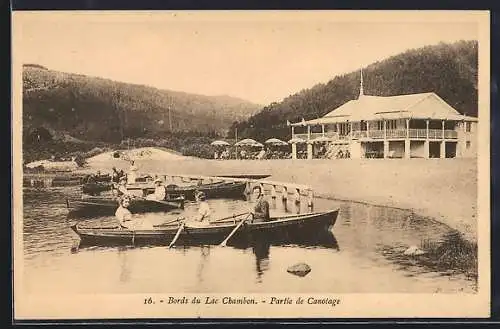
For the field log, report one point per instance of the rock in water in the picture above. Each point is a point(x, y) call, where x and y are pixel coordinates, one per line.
point(413, 251)
point(300, 269)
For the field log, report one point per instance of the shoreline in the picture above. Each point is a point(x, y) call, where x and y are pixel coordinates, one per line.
point(440, 189)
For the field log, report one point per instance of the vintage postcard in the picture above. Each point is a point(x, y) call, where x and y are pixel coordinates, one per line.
point(251, 164)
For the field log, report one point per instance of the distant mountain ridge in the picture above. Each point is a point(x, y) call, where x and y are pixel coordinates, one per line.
point(93, 108)
point(449, 70)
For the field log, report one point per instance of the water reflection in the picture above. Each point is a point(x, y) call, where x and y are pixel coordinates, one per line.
point(124, 265)
point(261, 252)
point(204, 255)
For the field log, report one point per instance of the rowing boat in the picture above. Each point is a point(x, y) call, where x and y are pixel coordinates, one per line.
point(230, 190)
point(215, 190)
point(107, 205)
point(212, 190)
point(289, 227)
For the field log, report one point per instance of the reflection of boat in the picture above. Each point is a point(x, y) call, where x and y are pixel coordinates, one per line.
point(101, 205)
point(293, 228)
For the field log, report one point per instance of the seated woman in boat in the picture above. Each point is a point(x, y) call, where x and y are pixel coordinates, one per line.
point(121, 188)
point(202, 218)
point(159, 193)
point(126, 219)
point(260, 211)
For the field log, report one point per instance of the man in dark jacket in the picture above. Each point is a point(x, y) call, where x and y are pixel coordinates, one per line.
point(260, 211)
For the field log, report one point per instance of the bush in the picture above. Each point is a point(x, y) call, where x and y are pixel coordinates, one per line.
point(198, 150)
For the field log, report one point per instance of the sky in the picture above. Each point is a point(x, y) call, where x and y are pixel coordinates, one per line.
point(258, 56)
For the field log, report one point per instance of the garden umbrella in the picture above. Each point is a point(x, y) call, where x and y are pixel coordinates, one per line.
point(275, 141)
point(220, 143)
point(248, 142)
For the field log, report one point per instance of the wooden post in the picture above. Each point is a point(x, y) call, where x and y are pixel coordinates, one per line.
point(284, 198)
point(310, 200)
point(273, 191)
point(367, 128)
point(293, 132)
point(284, 193)
point(385, 129)
point(308, 133)
point(442, 125)
point(323, 130)
point(407, 128)
point(297, 195)
point(427, 129)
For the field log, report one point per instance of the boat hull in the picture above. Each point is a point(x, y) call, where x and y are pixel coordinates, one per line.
point(107, 206)
point(294, 228)
point(230, 190)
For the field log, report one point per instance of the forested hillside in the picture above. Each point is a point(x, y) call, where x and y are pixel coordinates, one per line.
point(449, 70)
point(96, 109)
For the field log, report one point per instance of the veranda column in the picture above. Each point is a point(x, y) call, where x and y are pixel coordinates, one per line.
point(323, 130)
point(407, 139)
point(442, 151)
point(367, 128)
point(386, 142)
point(309, 150)
point(294, 150)
point(308, 133)
point(426, 142)
point(293, 132)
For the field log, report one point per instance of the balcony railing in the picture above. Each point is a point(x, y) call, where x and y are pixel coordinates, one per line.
point(358, 134)
point(418, 133)
point(379, 134)
point(396, 133)
point(435, 133)
point(389, 133)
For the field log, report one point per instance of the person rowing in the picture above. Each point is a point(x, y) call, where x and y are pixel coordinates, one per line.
point(121, 188)
point(159, 193)
point(125, 218)
point(202, 218)
point(204, 210)
point(260, 210)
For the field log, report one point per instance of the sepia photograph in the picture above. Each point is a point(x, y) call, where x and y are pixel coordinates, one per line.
point(250, 164)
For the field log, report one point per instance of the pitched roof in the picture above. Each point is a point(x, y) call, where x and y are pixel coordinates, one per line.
point(417, 106)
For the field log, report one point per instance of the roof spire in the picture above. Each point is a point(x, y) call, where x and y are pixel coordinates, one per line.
point(361, 93)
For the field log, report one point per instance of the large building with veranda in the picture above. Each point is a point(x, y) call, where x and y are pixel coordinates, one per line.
point(404, 126)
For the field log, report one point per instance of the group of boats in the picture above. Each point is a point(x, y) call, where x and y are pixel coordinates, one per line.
point(236, 228)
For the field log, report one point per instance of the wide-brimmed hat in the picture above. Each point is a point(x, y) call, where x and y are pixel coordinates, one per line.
point(201, 195)
point(123, 198)
point(158, 180)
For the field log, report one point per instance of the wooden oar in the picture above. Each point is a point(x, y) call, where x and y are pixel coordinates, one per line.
point(176, 235)
point(223, 243)
point(229, 217)
point(170, 221)
point(159, 201)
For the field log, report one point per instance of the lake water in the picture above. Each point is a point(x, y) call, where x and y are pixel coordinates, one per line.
point(361, 261)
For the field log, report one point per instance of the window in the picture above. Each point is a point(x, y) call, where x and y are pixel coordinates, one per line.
point(468, 127)
point(391, 124)
point(380, 125)
point(467, 145)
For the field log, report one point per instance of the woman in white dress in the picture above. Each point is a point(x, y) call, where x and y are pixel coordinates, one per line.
point(126, 220)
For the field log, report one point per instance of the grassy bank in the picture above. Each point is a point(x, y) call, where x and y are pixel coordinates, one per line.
point(444, 189)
